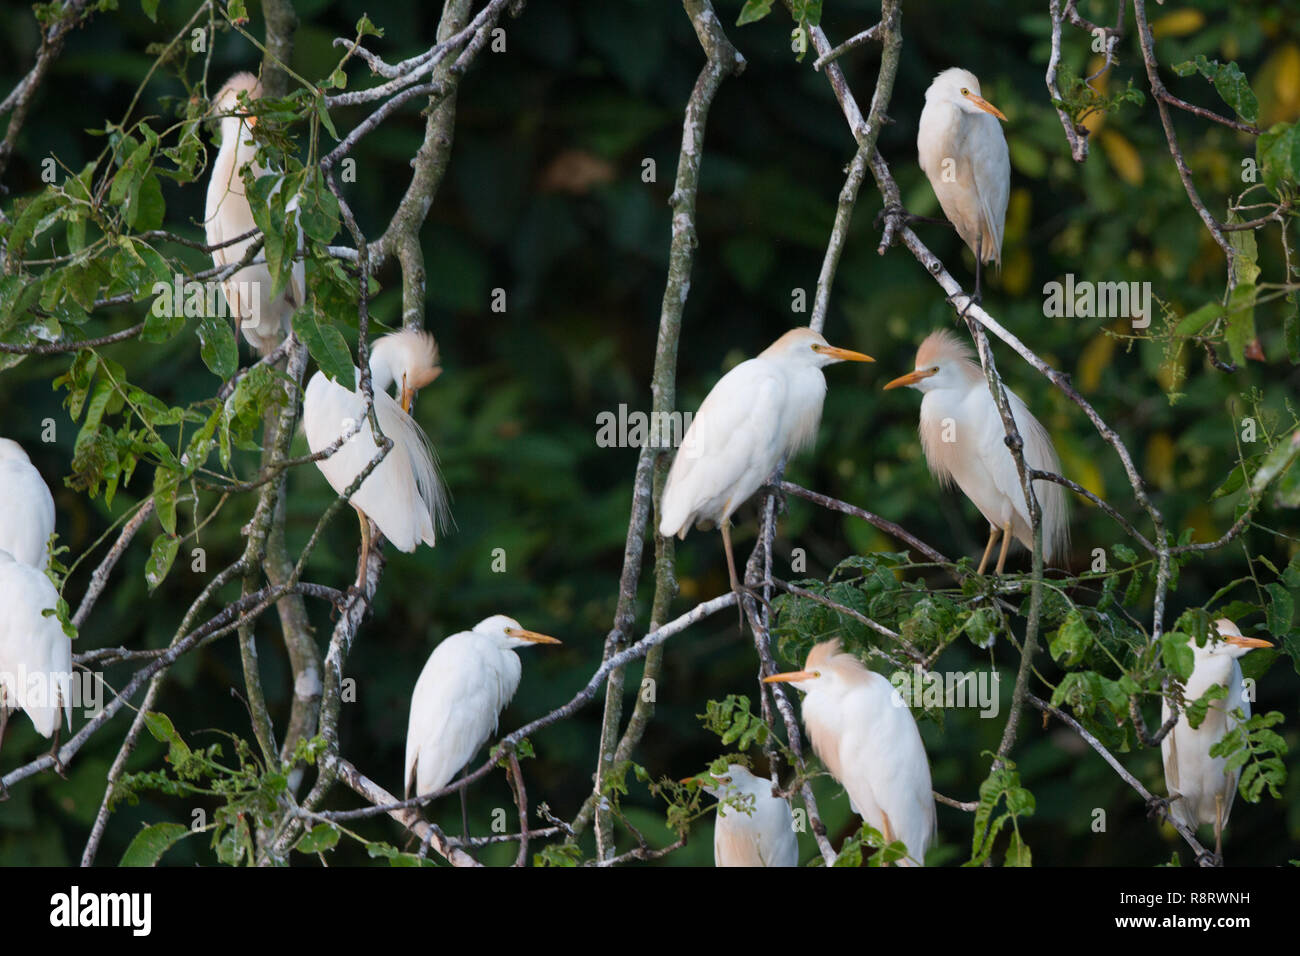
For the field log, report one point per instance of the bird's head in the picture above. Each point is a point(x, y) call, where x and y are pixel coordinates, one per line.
point(826, 664)
point(961, 89)
point(509, 633)
point(409, 359)
point(226, 106)
point(942, 361)
point(10, 450)
point(806, 347)
point(1232, 643)
point(737, 779)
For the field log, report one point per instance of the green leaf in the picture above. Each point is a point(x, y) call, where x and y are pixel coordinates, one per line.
point(161, 556)
point(1193, 322)
point(320, 838)
point(1177, 653)
point(1277, 151)
point(217, 346)
point(152, 842)
point(1278, 460)
point(326, 345)
point(1072, 640)
point(150, 8)
point(367, 29)
point(754, 10)
point(1240, 331)
point(1281, 610)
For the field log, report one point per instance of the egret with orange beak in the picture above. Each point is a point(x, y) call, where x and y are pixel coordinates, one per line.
point(866, 736)
point(759, 413)
point(963, 153)
point(403, 495)
point(1201, 788)
point(466, 683)
point(965, 443)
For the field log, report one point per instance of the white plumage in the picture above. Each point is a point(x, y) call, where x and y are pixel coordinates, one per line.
point(963, 153)
point(865, 735)
point(762, 834)
point(27, 515)
point(35, 654)
point(466, 683)
point(404, 495)
point(1204, 786)
point(263, 319)
point(763, 410)
point(965, 443)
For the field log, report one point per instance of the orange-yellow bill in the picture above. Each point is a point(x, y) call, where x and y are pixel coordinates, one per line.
point(911, 378)
point(789, 676)
point(844, 355)
point(533, 636)
point(985, 105)
point(1239, 641)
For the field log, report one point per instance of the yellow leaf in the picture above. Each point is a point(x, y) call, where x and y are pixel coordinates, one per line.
point(1094, 359)
point(1278, 84)
point(1286, 84)
point(1093, 121)
point(1160, 460)
point(1123, 157)
point(1202, 524)
point(1178, 24)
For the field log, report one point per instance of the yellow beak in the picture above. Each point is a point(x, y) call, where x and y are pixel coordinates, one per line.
point(789, 676)
point(844, 355)
point(533, 636)
point(986, 106)
point(1239, 641)
point(911, 378)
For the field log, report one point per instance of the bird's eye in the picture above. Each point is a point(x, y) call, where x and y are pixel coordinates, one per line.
point(934, 369)
point(965, 92)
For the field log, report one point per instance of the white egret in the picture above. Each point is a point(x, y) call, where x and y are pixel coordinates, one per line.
point(404, 495)
point(27, 517)
point(964, 442)
point(760, 832)
point(263, 319)
point(963, 153)
point(1201, 788)
point(865, 735)
point(762, 411)
point(466, 683)
point(35, 654)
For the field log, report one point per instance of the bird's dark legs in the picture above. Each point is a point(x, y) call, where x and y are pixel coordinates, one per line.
point(1218, 825)
point(464, 810)
point(731, 557)
point(994, 531)
point(4, 719)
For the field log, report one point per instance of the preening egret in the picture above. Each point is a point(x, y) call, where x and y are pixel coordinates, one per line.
point(27, 514)
point(763, 410)
point(263, 319)
point(964, 155)
point(964, 442)
point(466, 683)
point(35, 654)
point(762, 833)
point(865, 735)
point(1200, 787)
point(404, 495)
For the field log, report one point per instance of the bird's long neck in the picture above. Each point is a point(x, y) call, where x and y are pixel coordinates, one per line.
point(382, 374)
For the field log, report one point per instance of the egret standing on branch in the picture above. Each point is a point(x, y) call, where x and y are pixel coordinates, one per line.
point(1201, 787)
point(759, 831)
point(466, 683)
point(865, 735)
point(263, 319)
point(403, 495)
point(35, 654)
point(762, 411)
point(27, 513)
point(964, 155)
point(965, 442)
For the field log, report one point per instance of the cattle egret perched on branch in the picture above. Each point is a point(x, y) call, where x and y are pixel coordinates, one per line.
point(964, 155)
point(27, 513)
point(35, 654)
point(1201, 787)
point(759, 832)
point(760, 412)
point(264, 319)
point(867, 738)
point(965, 442)
point(466, 683)
point(404, 495)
